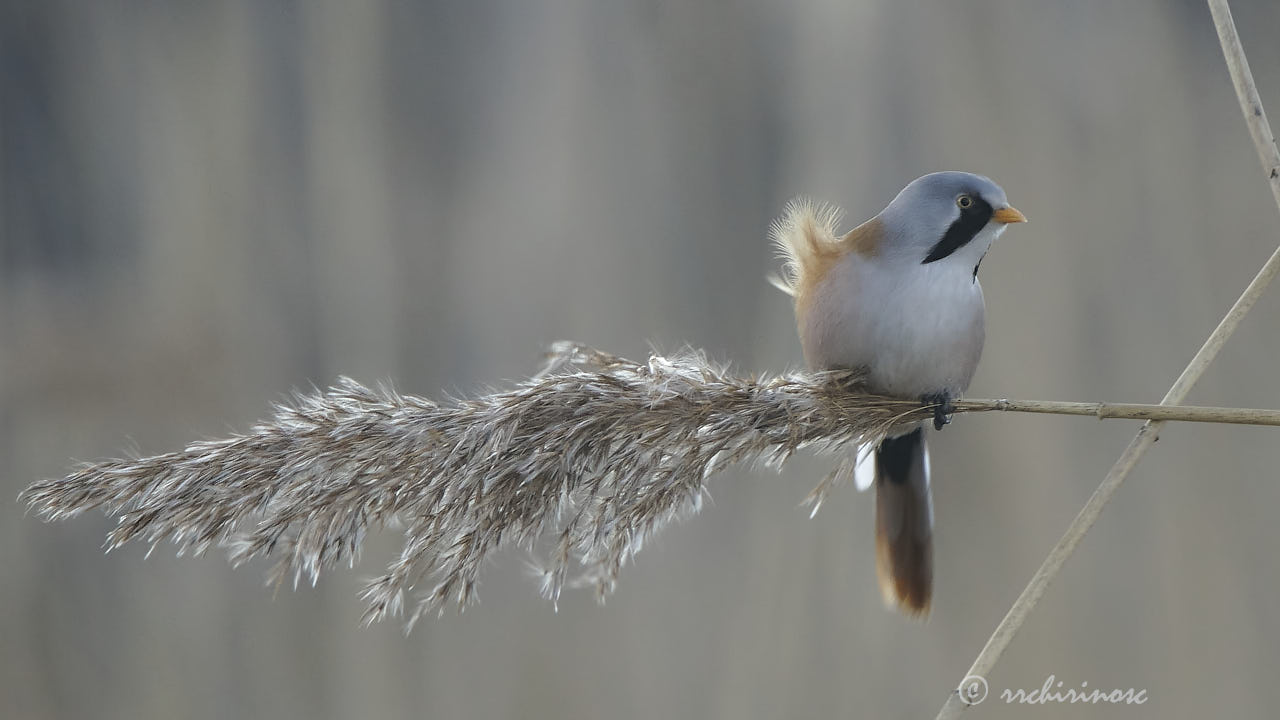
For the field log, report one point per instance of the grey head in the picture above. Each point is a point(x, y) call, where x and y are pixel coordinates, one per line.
point(941, 213)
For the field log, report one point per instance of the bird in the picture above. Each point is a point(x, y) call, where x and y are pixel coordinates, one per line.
point(898, 297)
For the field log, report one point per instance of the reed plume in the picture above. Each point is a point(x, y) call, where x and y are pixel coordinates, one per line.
point(585, 461)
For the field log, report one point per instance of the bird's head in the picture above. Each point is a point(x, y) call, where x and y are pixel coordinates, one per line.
point(946, 215)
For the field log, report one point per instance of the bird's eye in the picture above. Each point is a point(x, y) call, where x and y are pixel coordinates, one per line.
point(965, 202)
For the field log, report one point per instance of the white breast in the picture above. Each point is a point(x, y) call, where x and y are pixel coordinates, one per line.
point(918, 328)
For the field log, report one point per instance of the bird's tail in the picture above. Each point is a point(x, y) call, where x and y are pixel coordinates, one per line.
point(904, 523)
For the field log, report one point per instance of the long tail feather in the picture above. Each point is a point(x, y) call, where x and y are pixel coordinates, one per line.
point(904, 523)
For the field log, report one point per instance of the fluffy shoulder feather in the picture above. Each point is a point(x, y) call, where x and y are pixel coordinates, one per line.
point(805, 239)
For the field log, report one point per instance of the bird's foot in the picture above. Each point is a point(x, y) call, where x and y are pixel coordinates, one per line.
point(944, 408)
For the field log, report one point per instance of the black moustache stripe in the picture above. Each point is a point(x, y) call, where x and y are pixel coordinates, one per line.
point(962, 231)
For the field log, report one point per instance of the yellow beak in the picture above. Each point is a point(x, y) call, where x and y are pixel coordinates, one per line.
point(1008, 215)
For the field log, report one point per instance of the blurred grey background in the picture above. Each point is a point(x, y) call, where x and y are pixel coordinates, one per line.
point(207, 205)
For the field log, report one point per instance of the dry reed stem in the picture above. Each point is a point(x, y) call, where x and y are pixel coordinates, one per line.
point(590, 458)
point(1264, 141)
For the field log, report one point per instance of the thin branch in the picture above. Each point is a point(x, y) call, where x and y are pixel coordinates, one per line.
point(1256, 119)
point(1128, 411)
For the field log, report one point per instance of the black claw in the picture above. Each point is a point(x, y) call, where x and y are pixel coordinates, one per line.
point(943, 410)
